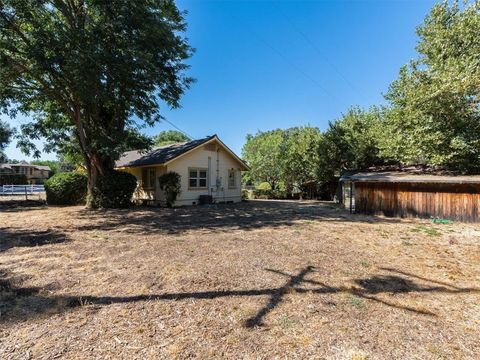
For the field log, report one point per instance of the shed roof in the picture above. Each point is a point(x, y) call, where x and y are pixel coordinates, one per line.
point(405, 177)
point(164, 154)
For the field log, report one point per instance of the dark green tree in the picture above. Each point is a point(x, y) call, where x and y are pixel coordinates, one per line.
point(434, 117)
point(299, 156)
point(350, 143)
point(91, 73)
point(169, 137)
point(263, 155)
point(6, 133)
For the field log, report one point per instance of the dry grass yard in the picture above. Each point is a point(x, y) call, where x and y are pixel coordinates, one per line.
point(257, 280)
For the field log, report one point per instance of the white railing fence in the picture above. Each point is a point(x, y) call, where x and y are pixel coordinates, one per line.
point(10, 190)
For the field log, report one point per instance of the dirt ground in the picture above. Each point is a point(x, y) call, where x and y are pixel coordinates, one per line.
point(257, 280)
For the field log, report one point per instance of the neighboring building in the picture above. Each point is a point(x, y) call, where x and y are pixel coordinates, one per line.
point(406, 194)
point(35, 174)
point(207, 168)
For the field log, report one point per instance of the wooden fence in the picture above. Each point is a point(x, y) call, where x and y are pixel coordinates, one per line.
point(427, 200)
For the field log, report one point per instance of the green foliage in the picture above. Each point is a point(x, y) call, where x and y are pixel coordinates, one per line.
point(350, 143)
point(282, 158)
point(66, 188)
point(90, 73)
point(299, 156)
point(169, 137)
point(6, 133)
point(434, 117)
point(13, 179)
point(262, 153)
point(114, 190)
point(269, 194)
point(170, 184)
point(263, 186)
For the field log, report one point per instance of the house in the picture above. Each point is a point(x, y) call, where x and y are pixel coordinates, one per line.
point(207, 167)
point(35, 174)
point(407, 194)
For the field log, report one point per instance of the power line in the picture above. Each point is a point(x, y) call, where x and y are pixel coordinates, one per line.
point(176, 127)
point(287, 60)
point(319, 52)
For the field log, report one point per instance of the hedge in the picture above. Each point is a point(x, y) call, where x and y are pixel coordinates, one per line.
point(114, 190)
point(69, 188)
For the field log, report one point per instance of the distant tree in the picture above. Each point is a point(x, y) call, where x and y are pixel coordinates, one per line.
point(263, 154)
point(299, 156)
point(434, 115)
point(350, 143)
point(169, 137)
point(90, 73)
point(6, 133)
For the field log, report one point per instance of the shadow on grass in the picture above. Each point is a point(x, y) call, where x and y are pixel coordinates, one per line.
point(21, 205)
point(11, 237)
point(248, 215)
point(18, 303)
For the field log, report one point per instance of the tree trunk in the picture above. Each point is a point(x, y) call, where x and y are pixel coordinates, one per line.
point(96, 168)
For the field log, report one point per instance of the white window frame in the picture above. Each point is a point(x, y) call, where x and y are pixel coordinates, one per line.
point(197, 178)
point(151, 180)
point(234, 178)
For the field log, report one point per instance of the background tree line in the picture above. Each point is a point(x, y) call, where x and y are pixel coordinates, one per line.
point(431, 116)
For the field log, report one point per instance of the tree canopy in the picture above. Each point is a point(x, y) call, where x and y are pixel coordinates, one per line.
point(432, 115)
point(6, 133)
point(282, 158)
point(434, 111)
point(169, 137)
point(91, 73)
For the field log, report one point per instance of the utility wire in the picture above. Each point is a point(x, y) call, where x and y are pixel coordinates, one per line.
point(176, 127)
point(287, 60)
point(317, 49)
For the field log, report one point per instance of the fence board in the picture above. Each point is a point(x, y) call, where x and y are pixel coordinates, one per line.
point(449, 201)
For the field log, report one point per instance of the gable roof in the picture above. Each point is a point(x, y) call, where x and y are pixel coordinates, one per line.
point(10, 166)
point(167, 153)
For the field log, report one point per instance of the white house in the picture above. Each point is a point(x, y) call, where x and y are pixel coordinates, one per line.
point(206, 167)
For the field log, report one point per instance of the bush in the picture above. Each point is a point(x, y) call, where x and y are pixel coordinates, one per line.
point(66, 188)
point(246, 194)
point(114, 190)
point(13, 179)
point(170, 184)
point(264, 186)
point(269, 194)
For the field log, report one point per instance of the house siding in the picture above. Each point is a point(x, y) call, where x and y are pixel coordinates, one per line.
point(199, 158)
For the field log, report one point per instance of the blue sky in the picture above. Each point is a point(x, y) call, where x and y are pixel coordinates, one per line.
point(262, 65)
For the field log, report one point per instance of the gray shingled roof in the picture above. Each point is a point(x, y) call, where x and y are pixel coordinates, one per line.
point(38, 167)
point(404, 177)
point(159, 155)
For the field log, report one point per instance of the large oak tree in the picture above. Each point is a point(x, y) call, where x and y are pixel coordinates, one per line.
point(91, 72)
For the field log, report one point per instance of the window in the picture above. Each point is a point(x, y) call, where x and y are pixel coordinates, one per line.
point(31, 171)
point(197, 178)
point(148, 178)
point(232, 184)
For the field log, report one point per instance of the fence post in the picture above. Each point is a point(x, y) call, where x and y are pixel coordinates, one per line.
point(26, 196)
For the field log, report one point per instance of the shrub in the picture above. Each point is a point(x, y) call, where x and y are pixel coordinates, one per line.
point(269, 194)
point(170, 184)
point(13, 179)
point(68, 188)
point(114, 190)
point(264, 186)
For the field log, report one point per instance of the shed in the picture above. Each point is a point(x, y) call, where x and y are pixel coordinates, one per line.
point(407, 194)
